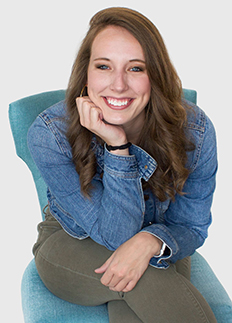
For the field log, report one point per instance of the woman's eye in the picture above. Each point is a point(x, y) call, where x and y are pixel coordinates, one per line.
point(136, 69)
point(102, 67)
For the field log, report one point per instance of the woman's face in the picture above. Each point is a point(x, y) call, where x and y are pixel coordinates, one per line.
point(117, 78)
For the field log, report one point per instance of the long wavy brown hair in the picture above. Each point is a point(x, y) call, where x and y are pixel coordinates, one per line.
point(164, 133)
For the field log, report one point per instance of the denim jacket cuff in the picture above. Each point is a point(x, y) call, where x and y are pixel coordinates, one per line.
point(171, 245)
point(138, 164)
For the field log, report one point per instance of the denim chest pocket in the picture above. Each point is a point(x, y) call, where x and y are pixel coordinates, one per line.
point(161, 208)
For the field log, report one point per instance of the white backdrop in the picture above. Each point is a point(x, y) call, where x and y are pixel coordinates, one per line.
point(39, 40)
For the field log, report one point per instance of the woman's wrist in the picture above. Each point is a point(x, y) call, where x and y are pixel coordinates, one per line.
point(120, 149)
point(154, 243)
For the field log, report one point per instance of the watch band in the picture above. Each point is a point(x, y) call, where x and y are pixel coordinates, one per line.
point(162, 250)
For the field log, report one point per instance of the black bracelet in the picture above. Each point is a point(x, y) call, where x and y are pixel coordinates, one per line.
point(118, 147)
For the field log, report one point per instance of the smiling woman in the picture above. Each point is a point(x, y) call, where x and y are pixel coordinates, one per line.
point(130, 168)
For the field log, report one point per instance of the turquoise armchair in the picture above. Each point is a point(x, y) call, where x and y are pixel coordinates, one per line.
point(39, 305)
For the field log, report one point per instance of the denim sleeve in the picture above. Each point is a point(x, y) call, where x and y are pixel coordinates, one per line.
point(115, 211)
point(187, 219)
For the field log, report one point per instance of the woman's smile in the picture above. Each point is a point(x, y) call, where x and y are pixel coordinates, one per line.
point(118, 104)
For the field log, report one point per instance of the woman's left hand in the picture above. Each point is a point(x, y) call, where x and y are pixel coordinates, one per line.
point(127, 264)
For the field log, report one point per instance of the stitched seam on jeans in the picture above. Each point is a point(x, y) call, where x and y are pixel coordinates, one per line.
point(63, 267)
point(195, 301)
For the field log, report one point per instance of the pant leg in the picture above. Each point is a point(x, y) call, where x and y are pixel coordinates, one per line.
point(166, 296)
point(120, 312)
point(66, 266)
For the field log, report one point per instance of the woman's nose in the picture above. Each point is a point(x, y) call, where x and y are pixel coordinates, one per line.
point(119, 82)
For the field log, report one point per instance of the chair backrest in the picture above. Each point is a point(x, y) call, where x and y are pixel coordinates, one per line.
point(23, 112)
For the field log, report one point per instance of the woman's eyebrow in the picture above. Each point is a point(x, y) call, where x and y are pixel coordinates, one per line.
point(102, 59)
point(137, 60)
point(131, 60)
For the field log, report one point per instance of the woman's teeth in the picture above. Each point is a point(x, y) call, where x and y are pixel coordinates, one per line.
point(117, 103)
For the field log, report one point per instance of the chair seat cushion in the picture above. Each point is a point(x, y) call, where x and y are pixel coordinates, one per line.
point(204, 279)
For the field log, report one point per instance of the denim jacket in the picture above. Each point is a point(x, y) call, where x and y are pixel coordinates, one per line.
point(117, 209)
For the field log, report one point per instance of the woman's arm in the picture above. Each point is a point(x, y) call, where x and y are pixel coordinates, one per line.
point(185, 226)
point(187, 219)
point(115, 211)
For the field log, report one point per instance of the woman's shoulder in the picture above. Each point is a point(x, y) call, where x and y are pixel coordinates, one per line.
point(200, 130)
point(53, 118)
point(50, 127)
point(197, 119)
point(55, 112)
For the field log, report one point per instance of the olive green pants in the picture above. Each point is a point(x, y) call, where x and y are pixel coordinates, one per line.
point(66, 266)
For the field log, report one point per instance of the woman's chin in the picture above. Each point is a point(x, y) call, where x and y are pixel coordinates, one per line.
point(113, 121)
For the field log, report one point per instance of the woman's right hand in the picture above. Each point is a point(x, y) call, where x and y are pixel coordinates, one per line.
point(127, 264)
point(91, 117)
